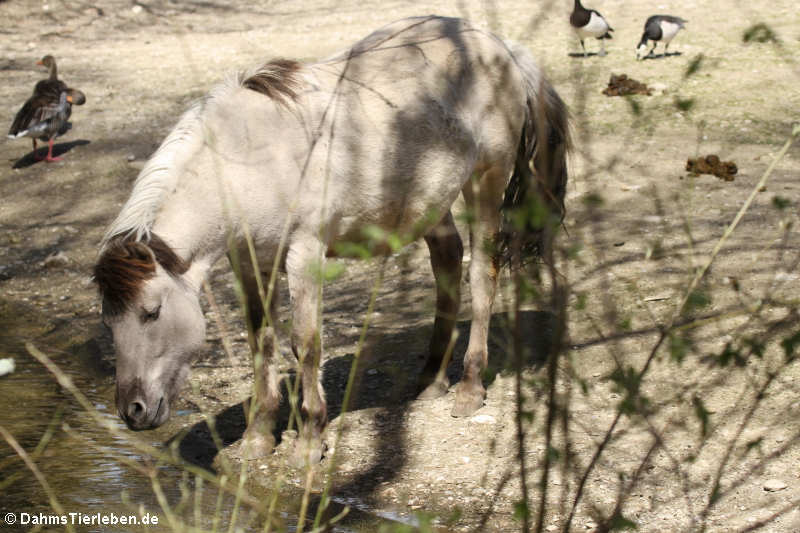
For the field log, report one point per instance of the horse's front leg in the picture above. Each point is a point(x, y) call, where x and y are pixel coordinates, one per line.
point(258, 440)
point(446, 251)
point(304, 263)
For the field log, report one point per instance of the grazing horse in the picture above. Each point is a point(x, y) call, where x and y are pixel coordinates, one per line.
point(303, 158)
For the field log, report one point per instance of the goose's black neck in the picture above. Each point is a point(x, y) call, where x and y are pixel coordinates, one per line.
point(580, 15)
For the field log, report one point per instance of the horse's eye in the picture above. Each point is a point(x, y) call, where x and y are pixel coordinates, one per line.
point(151, 315)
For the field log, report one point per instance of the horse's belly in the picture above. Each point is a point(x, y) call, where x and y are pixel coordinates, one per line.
point(392, 221)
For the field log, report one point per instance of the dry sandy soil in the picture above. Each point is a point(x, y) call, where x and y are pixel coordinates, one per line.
point(633, 255)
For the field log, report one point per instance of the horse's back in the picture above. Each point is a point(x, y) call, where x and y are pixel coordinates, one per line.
point(419, 104)
point(419, 59)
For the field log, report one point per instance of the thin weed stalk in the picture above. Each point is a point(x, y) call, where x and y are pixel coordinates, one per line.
point(665, 332)
point(325, 498)
point(51, 495)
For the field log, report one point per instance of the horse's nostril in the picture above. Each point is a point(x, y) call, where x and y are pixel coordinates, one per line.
point(136, 410)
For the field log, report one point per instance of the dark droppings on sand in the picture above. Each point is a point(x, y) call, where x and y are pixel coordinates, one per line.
point(711, 164)
point(622, 85)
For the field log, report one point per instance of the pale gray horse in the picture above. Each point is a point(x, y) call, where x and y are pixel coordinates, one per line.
point(385, 135)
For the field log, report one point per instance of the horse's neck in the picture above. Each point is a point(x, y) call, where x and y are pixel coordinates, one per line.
point(192, 229)
point(223, 185)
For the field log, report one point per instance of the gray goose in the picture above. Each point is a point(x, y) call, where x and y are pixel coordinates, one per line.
point(44, 115)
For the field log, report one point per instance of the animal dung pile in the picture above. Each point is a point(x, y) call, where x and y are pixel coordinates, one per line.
point(622, 85)
point(711, 164)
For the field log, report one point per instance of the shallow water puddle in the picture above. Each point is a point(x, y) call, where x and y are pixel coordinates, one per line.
point(89, 470)
point(94, 474)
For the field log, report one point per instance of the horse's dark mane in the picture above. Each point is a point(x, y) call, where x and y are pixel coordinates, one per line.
point(276, 79)
point(126, 264)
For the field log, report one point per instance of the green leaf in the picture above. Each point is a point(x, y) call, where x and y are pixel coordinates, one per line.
point(697, 299)
point(684, 104)
point(781, 203)
point(352, 249)
point(374, 233)
point(395, 242)
point(580, 301)
point(521, 511)
point(332, 270)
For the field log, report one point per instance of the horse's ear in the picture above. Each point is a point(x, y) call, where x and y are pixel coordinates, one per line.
point(140, 252)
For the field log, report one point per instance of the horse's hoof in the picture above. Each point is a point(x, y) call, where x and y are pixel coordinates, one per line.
point(437, 389)
point(468, 400)
point(257, 446)
point(307, 452)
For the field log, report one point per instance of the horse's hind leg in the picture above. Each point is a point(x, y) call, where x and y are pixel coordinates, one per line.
point(483, 196)
point(446, 251)
point(304, 261)
point(258, 440)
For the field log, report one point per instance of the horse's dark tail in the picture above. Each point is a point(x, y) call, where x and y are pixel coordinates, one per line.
point(533, 205)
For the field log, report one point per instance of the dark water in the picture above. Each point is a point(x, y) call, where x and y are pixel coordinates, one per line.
point(88, 474)
point(90, 470)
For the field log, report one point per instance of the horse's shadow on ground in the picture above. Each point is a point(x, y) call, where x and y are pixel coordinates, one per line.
point(58, 150)
point(387, 381)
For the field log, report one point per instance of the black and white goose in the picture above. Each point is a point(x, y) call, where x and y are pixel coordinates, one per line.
point(659, 28)
point(589, 23)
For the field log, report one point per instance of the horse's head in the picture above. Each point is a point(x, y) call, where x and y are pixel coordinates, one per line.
point(157, 324)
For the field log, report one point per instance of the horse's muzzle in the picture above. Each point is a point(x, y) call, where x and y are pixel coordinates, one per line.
point(138, 415)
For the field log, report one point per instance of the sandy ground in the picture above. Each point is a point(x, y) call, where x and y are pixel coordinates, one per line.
point(633, 254)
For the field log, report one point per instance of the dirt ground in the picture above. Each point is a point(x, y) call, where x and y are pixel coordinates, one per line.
point(637, 223)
